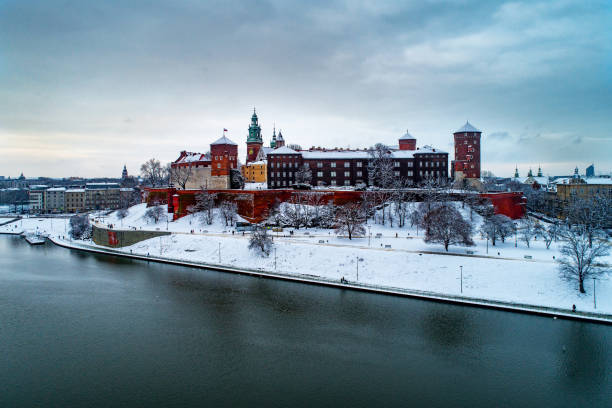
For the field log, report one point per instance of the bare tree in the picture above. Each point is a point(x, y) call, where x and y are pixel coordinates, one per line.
point(528, 230)
point(579, 256)
point(122, 213)
point(180, 175)
point(497, 226)
point(549, 233)
point(80, 227)
point(154, 213)
point(592, 212)
point(447, 227)
point(349, 220)
point(260, 242)
point(153, 173)
point(204, 205)
point(303, 175)
point(380, 166)
point(228, 212)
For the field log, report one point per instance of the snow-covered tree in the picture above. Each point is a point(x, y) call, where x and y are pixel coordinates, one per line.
point(260, 242)
point(497, 226)
point(579, 257)
point(80, 228)
point(153, 173)
point(154, 213)
point(528, 230)
point(349, 220)
point(548, 233)
point(380, 166)
point(447, 227)
point(236, 179)
point(591, 212)
point(229, 211)
point(303, 175)
point(204, 205)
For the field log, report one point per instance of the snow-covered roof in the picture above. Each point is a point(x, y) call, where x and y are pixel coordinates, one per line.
point(530, 179)
point(467, 128)
point(258, 162)
point(407, 136)
point(76, 190)
point(192, 157)
point(428, 149)
point(223, 140)
point(57, 189)
point(588, 180)
point(335, 154)
point(283, 150)
point(126, 189)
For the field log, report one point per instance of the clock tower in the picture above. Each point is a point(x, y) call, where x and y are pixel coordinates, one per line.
point(254, 140)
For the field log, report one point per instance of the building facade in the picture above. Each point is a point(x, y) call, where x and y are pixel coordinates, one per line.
point(224, 159)
point(467, 153)
point(55, 199)
point(341, 167)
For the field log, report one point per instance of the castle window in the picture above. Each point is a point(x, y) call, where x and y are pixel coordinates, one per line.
point(359, 174)
point(347, 174)
point(319, 164)
point(333, 174)
point(347, 182)
point(347, 164)
point(359, 164)
point(396, 173)
point(333, 164)
point(319, 174)
point(410, 163)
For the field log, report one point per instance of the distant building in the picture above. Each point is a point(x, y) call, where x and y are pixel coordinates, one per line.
point(74, 200)
point(196, 165)
point(37, 198)
point(590, 171)
point(55, 199)
point(124, 173)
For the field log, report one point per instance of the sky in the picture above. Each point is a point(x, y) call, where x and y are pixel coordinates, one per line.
point(88, 86)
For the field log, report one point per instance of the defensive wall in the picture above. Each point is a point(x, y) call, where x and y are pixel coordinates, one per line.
point(120, 238)
point(255, 205)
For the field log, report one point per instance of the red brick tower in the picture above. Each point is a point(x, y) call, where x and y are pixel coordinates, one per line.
point(224, 156)
point(467, 152)
point(407, 142)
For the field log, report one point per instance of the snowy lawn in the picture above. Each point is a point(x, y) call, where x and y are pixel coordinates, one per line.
point(506, 277)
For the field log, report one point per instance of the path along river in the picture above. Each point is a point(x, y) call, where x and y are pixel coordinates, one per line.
point(79, 329)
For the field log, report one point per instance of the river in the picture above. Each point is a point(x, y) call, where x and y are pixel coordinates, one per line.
point(79, 329)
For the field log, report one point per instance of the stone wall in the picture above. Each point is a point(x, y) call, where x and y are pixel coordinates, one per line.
point(116, 239)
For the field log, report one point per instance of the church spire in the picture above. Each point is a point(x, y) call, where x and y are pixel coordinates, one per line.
point(516, 173)
point(254, 130)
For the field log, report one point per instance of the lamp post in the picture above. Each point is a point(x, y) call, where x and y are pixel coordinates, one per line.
point(275, 259)
point(594, 297)
point(219, 253)
point(461, 268)
point(487, 244)
point(369, 235)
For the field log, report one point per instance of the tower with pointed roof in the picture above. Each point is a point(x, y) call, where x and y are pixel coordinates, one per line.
point(540, 171)
point(280, 141)
point(516, 173)
point(273, 141)
point(467, 152)
point(407, 142)
point(124, 173)
point(254, 140)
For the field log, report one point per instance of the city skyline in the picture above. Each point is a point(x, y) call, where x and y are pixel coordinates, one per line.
point(88, 89)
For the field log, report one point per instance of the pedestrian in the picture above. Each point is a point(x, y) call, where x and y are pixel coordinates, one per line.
point(573, 308)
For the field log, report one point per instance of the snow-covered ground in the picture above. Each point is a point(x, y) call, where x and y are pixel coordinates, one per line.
point(501, 274)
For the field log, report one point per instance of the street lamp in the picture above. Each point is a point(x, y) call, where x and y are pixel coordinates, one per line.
point(369, 235)
point(594, 297)
point(461, 267)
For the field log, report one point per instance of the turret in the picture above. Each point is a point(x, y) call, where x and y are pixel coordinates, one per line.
point(467, 152)
point(407, 142)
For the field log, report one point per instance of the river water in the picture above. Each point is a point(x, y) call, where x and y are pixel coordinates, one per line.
point(80, 329)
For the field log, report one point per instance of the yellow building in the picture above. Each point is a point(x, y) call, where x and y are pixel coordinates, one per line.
point(255, 172)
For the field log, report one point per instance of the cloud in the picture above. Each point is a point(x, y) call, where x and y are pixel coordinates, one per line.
point(169, 75)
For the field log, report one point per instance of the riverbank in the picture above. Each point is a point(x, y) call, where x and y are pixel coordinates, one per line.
point(309, 279)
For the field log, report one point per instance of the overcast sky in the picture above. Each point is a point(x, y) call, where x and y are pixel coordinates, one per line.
point(87, 86)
